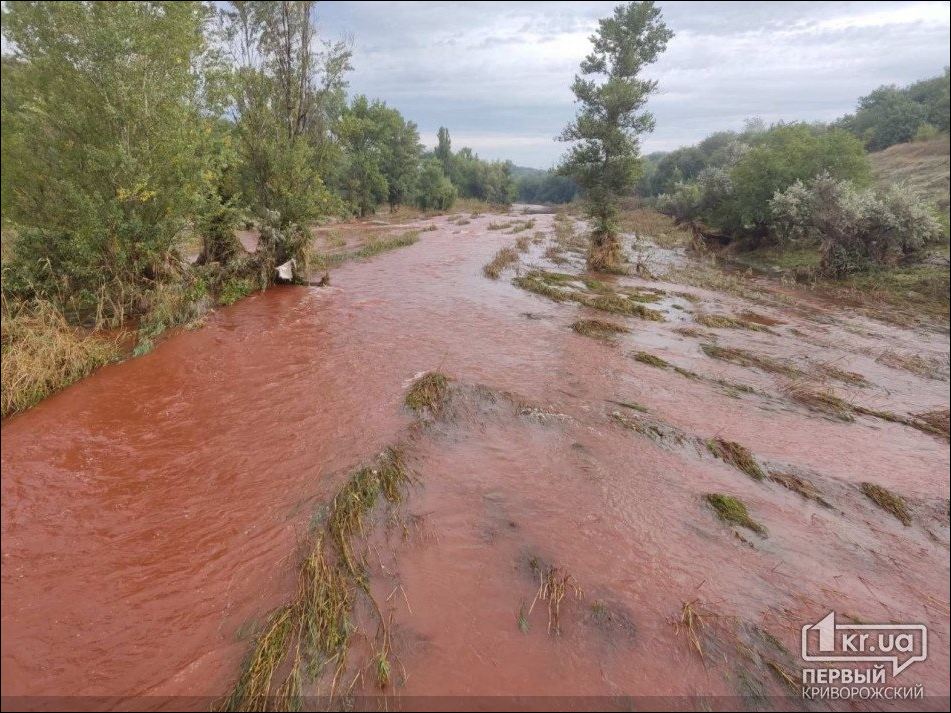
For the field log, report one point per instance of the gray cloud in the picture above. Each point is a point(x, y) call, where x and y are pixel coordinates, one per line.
point(498, 74)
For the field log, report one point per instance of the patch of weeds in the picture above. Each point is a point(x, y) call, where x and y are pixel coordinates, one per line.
point(824, 401)
point(733, 511)
point(610, 618)
point(937, 420)
point(694, 332)
point(914, 363)
point(650, 360)
point(374, 246)
point(737, 455)
point(519, 227)
point(888, 501)
point(522, 243)
point(235, 289)
point(744, 358)
point(722, 321)
point(692, 622)
point(554, 584)
point(598, 329)
point(757, 318)
point(559, 287)
point(499, 226)
point(502, 259)
point(798, 485)
point(555, 254)
point(430, 391)
point(42, 354)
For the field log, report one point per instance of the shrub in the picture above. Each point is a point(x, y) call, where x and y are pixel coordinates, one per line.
point(434, 190)
point(855, 229)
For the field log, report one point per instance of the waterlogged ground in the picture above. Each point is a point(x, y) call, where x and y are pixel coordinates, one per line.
point(153, 514)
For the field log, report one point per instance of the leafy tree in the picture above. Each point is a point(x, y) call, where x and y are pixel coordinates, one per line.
point(282, 88)
point(444, 148)
point(604, 159)
point(108, 151)
point(434, 190)
point(785, 154)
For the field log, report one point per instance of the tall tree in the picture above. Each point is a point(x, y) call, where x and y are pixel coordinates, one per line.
point(283, 85)
point(108, 148)
point(604, 159)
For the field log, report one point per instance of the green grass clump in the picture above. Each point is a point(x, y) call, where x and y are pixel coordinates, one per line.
point(502, 259)
point(598, 329)
point(733, 511)
point(888, 501)
point(430, 391)
point(737, 455)
point(235, 289)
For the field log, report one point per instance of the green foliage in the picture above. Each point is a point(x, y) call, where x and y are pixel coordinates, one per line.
point(891, 115)
point(603, 159)
point(489, 181)
point(107, 148)
point(382, 155)
point(785, 154)
point(856, 229)
point(284, 94)
point(434, 190)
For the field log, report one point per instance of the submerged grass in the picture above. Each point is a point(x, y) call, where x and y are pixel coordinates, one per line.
point(560, 288)
point(650, 359)
point(428, 392)
point(554, 584)
point(798, 485)
point(823, 401)
point(723, 321)
point(374, 246)
point(914, 363)
point(502, 259)
point(598, 329)
point(312, 632)
point(888, 501)
point(733, 511)
point(737, 455)
point(744, 358)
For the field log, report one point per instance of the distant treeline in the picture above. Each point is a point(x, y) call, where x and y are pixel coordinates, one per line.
point(887, 116)
point(537, 186)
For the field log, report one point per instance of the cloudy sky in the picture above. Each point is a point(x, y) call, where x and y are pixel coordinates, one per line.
point(498, 74)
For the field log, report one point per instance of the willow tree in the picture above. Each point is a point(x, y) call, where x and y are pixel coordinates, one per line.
point(605, 157)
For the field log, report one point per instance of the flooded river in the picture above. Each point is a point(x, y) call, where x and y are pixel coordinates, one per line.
point(152, 513)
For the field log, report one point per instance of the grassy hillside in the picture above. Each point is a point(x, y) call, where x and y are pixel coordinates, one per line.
point(922, 165)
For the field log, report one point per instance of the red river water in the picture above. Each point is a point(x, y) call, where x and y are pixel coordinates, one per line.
point(151, 513)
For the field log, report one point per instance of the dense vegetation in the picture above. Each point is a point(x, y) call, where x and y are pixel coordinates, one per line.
point(892, 115)
point(807, 187)
point(137, 133)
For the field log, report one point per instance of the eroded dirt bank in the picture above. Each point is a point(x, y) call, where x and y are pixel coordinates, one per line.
point(152, 513)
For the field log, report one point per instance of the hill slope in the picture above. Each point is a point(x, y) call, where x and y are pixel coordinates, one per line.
point(924, 165)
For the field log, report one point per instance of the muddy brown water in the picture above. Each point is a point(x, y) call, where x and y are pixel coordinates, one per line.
point(151, 513)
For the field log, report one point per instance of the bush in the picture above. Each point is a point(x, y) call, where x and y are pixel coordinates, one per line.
point(434, 190)
point(855, 229)
point(112, 151)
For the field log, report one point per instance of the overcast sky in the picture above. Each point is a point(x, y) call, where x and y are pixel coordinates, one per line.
point(498, 74)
